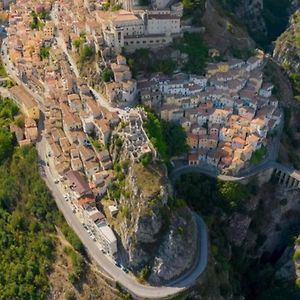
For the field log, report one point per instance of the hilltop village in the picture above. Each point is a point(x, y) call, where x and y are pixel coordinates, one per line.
point(227, 113)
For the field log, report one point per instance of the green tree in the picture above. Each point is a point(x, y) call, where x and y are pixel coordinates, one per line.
point(76, 43)
point(193, 45)
point(85, 53)
point(175, 138)
point(6, 144)
point(107, 75)
point(146, 159)
point(45, 52)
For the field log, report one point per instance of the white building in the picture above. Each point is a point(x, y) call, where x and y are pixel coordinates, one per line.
point(140, 29)
point(162, 24)
point(106, 238)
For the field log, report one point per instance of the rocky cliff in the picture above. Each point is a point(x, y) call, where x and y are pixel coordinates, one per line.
point(251, 11)
point(157, 233)
point(251, 251)
point(287, 47)
point(265, 20)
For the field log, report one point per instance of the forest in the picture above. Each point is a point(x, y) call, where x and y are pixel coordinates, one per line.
point(28, 218)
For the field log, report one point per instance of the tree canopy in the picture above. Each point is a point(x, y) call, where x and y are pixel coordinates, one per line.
point(168, 138)
point(28, 216)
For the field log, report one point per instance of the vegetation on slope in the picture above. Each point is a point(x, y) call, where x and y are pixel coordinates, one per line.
point(144, 60)
point(275, 15)
point(205, 194)
point(193, 9)
point(168, 138)
point(236, 271)
point(147, 61)
point(193, 45)
point(84, 51)
point(29, 220)
point(295, 79)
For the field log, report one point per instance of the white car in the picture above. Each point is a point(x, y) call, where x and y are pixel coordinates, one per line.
point(56, 181)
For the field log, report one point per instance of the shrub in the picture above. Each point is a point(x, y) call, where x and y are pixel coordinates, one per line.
point(146, 159)
point(124, 211)
point(44, 52)
point(298, 283)
point(116, 7)
point(85, 53)
point(144, 273)
point(72, 238)
point(258, 155)
point(296, 255)
point(76, 43)
point(229, 27)
point(180, 230)
point(107, 75)
point(70, 295)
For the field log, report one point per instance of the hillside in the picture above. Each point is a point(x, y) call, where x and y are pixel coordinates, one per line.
point(252, 231)
point(264, 19)
point(41, 257)
point(287, 46)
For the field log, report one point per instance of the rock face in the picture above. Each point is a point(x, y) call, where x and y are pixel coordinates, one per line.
point(152, 233)
point(177, 249)
point(271, 218)
point(258, 237)
point(251, 11)
point(155, 232)
point(217, 35)
point(287, 48)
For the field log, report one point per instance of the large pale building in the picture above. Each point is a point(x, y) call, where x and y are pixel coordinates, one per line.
point(107, 238)
point(140, 29)
point(162, 23)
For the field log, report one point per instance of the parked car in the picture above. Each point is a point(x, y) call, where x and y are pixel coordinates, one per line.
point(125, 269)
point(117, 264)
point(56, 181)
